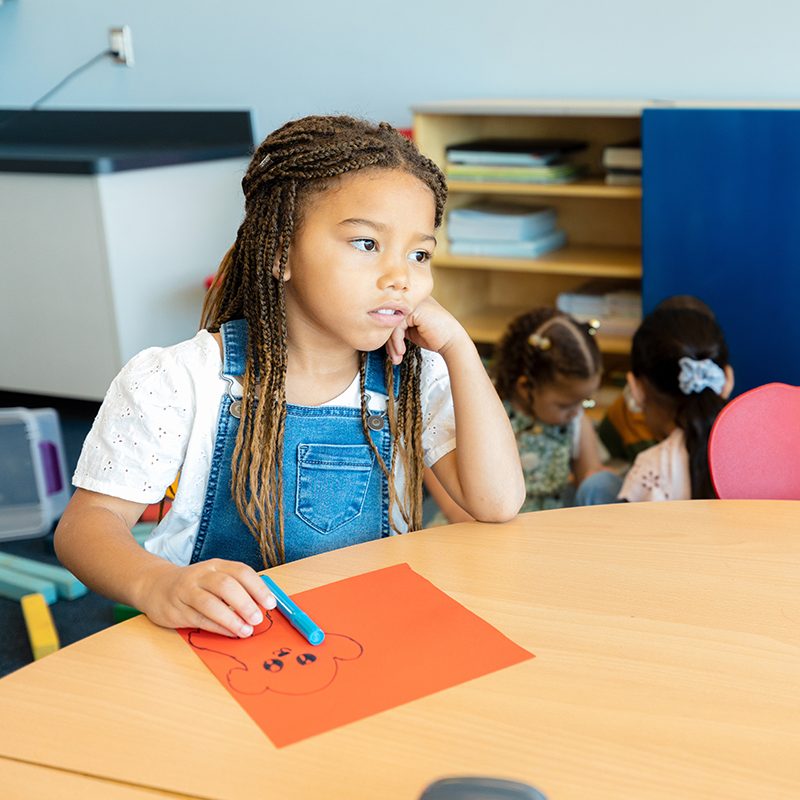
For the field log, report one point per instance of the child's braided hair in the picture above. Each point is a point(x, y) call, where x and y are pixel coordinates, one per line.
point(301, 159)
point(542, 345)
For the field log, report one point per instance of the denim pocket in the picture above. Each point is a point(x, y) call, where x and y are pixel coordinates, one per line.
point(332, 482)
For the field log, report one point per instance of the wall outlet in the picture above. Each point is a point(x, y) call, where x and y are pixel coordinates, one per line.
point(120, 42)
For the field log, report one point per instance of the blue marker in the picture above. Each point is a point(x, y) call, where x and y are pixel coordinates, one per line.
point(297, 618)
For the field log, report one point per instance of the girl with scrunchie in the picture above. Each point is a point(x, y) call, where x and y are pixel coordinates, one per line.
point(681, 379)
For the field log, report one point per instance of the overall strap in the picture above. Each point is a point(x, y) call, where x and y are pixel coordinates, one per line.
point(376, 376)
point(234, 347)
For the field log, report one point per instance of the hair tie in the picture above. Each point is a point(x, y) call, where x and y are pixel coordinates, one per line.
point(539, 342)
point(695, 376)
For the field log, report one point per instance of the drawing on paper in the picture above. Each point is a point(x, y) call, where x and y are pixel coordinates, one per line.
point(263, 663)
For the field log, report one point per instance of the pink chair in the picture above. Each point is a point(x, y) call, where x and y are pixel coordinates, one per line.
point(754, 446)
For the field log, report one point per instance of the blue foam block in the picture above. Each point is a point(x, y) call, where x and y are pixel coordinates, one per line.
point(69, 587)
point(15, 585)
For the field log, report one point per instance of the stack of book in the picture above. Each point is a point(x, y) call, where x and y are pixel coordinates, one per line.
point(503, 230)
point(618, 310)
point(623, 163)
point(514, 160)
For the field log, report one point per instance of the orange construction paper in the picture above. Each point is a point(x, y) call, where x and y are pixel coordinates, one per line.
point(390, 637)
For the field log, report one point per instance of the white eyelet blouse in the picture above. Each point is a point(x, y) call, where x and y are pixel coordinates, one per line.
point(160, 416)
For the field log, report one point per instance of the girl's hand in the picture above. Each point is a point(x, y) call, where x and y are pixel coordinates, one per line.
point(225, 597)
point(430, 326)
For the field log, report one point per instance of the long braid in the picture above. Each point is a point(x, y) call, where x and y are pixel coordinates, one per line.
point(405, 426)
point(386, 470)
point(298, 160)
point(395, 424)
point(410, 416)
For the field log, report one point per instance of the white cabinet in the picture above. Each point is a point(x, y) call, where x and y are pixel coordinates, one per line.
point(94, 268)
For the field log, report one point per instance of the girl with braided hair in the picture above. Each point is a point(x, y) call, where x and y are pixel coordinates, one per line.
point(301, 416)
point(545, 368)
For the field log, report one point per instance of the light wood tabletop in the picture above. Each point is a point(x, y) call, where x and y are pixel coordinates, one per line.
point(667, 643)
point(22, 781)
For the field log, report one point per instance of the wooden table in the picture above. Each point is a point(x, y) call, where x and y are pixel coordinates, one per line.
point(22, 781)
point(667, 642)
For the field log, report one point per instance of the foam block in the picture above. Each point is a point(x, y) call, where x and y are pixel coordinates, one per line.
point(68, 586)
point(39, 622)
point(123, 612)
point(15, 585)
point(141, 531)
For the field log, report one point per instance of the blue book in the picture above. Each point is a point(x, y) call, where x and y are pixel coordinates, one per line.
point(550, 173)
point(500, 221)
point(513, 152)
point(509, 249)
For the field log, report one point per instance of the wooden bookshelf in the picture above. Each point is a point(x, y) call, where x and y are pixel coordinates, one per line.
point(590, 262)
point(488, 323)
point(587, 187)
point(602, 223)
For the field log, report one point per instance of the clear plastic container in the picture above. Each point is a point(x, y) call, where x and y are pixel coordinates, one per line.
point(34, 490)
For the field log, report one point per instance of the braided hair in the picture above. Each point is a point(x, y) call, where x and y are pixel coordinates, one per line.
point(297, 161)
point(542, 345)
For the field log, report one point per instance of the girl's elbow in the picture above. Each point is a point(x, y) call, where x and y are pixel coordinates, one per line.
point(62, 540)
point(498, 515)
point(502, 509)
point(59, 535)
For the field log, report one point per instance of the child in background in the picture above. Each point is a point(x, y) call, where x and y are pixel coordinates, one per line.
point(623, 430)
point(300, 417)
point(681, 378)
point(546, 366)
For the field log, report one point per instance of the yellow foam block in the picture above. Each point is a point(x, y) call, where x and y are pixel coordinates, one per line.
point(41, 629)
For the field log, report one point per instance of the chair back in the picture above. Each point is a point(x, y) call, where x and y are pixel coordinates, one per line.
point(754, 446)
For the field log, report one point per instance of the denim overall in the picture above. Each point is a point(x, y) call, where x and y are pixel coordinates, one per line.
point(334, 491)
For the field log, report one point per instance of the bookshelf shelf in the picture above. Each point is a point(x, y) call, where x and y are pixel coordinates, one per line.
point(614, 345)
point(586, 261)
point(602, 222)
point(589, 187)
point(488, 323)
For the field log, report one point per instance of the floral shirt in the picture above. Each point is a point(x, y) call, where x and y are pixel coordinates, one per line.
point(546, 453)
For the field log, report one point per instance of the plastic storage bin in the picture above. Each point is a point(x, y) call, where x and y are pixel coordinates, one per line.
point(33, 487)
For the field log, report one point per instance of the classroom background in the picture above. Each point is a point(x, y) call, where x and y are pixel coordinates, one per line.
point(377, 60)
point(374, 60)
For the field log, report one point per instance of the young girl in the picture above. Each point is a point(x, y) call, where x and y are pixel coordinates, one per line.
point(300, 417)
point(623, 430)
point(545, 368)
point(681, 378)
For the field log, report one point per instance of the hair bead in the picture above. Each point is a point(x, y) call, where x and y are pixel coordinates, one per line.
point(540, 342)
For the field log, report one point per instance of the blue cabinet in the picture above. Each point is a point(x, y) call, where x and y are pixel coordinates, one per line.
point(721, 220)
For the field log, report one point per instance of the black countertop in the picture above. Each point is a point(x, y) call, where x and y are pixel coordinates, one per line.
point(99, 142)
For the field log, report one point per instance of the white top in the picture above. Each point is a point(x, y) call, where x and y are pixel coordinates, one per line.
point(160, 416)
point(660, 473)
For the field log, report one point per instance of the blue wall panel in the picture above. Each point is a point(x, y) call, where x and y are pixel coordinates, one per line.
point(721, 220)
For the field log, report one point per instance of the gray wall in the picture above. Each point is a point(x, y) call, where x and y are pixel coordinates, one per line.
point(377, 59)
